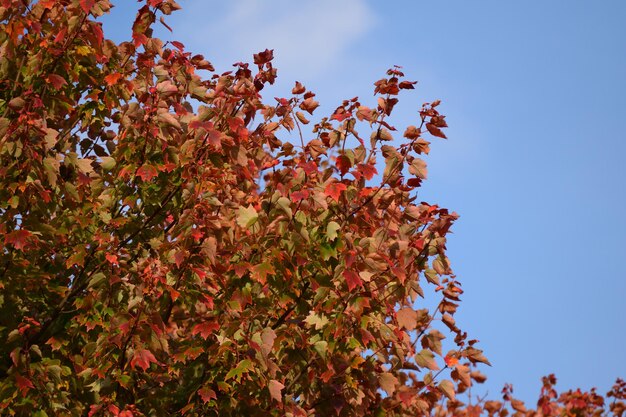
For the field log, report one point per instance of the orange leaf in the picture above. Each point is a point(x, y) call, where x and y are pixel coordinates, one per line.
point(113, 78)
point(334, 190)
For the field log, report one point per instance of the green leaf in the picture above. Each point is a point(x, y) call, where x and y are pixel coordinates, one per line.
point(426, 359)
point(107, 163)
point(246, 217)
point(331, 230)
point(447, 388)
point(242, 368)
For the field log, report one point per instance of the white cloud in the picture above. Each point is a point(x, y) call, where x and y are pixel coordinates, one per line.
point(308, 37)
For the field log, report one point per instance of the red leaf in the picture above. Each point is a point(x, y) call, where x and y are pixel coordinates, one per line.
point(435, 131)
point(341, 114)
point(112, 259)
point(18, 238)
point(263, 57)
point(113, 78)
point(207, 394)
point(343, 164)
point(24, 384)
point(367, 170)
point(56, 80)
point(142, 358)
point(147, 172)
point(352, 279)
point(334, 189)
point(205, 329)
point(86, 5)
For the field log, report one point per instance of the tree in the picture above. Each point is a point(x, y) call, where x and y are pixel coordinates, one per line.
point(174, 244)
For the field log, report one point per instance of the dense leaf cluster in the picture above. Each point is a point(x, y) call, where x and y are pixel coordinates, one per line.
point(171, 243)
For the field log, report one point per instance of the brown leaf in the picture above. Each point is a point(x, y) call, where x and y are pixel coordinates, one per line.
point(407, 318)
point(388, 382)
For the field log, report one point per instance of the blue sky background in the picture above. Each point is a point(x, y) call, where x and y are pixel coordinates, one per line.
point(535, 96)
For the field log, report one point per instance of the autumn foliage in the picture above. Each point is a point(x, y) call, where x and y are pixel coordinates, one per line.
point(172, 242)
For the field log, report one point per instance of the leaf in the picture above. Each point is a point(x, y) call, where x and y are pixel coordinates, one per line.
point(18, 238)
point(388, 382)
point(142, 358)
point(426, 359)
point(166, 88)
point(168, 119)
point(418, 168)
point(309, 105)
point(334, 190)
point(275, 389)
point(246, 217)
point(84, 165)
point(23, 384)
point(146, 172)
point(205, 329)
point(435, 131)
point(343, 164)
point(267, 337)
point(367, 170)
point(56, 81)
point(352, 279)
point(112, 79)
point(261, 271)
point(112, 259)
point(207, 394)
point(107, 163)
point(243, 367)
point(87, 5)
point(451, 360)
point(331, 230)
point(317, 321)
point(447, 388)
point(407, 318)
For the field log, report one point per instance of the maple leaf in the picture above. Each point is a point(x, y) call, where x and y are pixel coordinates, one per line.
point(146, 172)
point(352, 279)
point(246, 217)
point(56, 80)
point(435, 131)
point(367, 170)
point(418, 168)
point(207, 394)
point(18, 238)
point(205, 329)
point(388, 382)
point(112, 259)
point(334, 190)
point(407, 318)
point(343, 164)
point(24, 384)
point(112, 78)
point(275, 389)
point(447, 388)
point(261, 271)
point(142, 358)
point(426, 359)
point(86, 5)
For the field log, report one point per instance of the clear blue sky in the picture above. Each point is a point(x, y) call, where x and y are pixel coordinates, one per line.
point(535, 96)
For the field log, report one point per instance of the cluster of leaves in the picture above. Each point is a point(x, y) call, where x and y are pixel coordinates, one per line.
point(167, 247)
